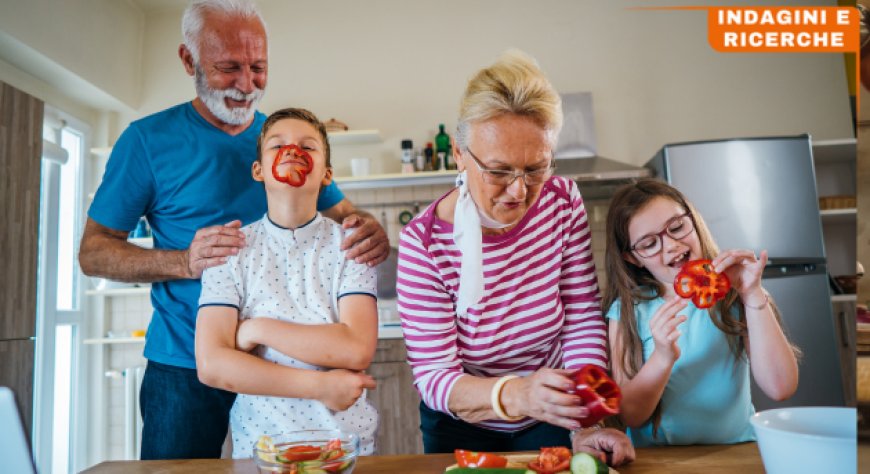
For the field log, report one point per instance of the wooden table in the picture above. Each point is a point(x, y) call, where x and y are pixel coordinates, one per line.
point(739, 458)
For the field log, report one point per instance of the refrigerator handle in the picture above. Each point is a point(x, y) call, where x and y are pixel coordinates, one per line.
point(844, 333)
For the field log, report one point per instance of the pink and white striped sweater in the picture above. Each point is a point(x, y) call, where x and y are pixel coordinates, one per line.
point(540, 309)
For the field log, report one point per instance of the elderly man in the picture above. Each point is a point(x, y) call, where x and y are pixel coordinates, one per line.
point(186, 169)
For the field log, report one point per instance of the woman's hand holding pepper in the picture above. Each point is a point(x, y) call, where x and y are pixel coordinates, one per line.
point(744, 270)
point(544, 396)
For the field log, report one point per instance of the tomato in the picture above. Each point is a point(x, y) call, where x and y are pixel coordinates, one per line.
point(476, 459)
point(300, 453)
point(599, 392)
point(698, 280)
point(552, 460)
point(298, 171)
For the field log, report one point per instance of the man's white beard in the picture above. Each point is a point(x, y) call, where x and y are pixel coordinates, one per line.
point(214, 100)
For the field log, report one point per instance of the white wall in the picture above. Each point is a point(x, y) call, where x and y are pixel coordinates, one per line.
point(401, 67)
point(96, 41)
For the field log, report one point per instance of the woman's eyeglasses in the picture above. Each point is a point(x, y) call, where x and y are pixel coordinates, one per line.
point(506, 178)
point(676, 228)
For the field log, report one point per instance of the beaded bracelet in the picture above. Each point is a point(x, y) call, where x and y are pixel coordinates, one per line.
point(495, 399)
point(761, 306)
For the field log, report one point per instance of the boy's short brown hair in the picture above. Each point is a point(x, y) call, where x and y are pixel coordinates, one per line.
point(298, 114)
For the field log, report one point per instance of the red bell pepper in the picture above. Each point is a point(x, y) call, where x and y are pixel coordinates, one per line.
point(300, 453)
point(599, 392)
point(477, 459)
point(333, 452)
point(698, 280)
point(298, 171)
point(552, 460)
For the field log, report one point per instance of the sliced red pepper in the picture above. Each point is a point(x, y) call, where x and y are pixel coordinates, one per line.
point(552, 460)
point(332, 452)
point(698, 280)
point(300, 453)
point(477, 459)
point(298, 171)
point(600, 394)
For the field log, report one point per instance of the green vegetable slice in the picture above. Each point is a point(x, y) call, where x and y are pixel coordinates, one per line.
point(585, 463)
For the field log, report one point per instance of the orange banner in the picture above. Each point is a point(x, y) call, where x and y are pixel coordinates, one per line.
point(783, 29)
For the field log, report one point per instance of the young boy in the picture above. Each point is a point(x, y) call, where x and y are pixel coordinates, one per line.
point(288, 322)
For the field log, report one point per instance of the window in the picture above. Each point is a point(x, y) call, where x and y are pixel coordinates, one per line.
point(59, 395)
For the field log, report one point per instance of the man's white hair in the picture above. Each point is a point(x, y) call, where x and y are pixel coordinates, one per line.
point(193, 18)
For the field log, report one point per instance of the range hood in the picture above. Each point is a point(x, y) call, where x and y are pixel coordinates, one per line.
point(576, 155)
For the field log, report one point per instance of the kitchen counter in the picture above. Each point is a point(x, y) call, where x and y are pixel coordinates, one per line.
point(739, 458)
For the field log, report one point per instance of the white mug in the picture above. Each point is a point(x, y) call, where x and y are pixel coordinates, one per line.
point(360, 166)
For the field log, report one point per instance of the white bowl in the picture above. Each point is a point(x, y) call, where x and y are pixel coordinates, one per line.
point(807, 439)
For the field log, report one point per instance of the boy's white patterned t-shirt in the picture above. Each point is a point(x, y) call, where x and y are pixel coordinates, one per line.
point(293, 275)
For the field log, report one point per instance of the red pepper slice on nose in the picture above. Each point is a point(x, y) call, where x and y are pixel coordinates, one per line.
point(698, 280)
point(599, 393)
point(298, 171)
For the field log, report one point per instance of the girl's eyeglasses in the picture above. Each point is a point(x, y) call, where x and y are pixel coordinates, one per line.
point(676, 228)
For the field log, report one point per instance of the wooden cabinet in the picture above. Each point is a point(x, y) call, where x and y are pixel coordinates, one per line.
point(396, 400)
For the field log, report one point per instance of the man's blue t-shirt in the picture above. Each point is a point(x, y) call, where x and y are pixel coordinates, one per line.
point(182, 174)
point(707, 398)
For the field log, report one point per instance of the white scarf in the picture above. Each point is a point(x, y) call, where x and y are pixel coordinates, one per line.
point(467, 221)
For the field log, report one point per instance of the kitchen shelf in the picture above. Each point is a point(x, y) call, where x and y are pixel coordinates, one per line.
point(133, 290)
point(102, 152)
point(144, 242)
point(834, 151)
point(353, 137)
point(844, 298)
point(115, 340)
point(349, 137)
point(394, 180)
point(839, 216)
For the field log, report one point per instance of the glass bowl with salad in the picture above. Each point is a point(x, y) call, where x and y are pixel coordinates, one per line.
point(307, 452)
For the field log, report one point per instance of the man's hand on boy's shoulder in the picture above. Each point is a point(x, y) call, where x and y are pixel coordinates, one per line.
point(212, 245)
point(368, 243)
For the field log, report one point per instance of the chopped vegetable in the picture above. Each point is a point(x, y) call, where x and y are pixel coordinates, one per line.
point(298, 171)
point(698, 280)
point(585, 463)
point(305, 459)
point(488, 470)
point(552, 460)
point(477, 459)
point(599, 392)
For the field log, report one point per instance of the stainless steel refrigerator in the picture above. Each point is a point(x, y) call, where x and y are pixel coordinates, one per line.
point(760, 193)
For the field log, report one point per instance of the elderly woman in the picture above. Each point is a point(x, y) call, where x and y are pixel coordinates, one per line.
point(496, 283)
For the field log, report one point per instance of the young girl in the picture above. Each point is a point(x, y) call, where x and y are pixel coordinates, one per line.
point(684, 371)
point(306, 314)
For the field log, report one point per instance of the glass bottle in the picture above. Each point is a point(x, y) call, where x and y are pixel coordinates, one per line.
point(442, 148)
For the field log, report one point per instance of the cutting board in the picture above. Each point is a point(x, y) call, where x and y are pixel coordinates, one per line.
point(521, 461)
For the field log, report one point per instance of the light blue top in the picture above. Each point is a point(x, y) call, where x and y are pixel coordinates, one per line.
point(183, 174)
point(707, 399)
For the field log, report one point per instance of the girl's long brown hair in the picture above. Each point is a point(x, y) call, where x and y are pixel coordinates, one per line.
point(632, 284)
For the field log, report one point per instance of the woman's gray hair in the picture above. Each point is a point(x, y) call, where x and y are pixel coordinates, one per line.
point(194, 18)
point(514, 84)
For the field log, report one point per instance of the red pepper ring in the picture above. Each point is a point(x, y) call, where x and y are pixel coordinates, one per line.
point(600, 394)
point(298, 171)
point(698, 280)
